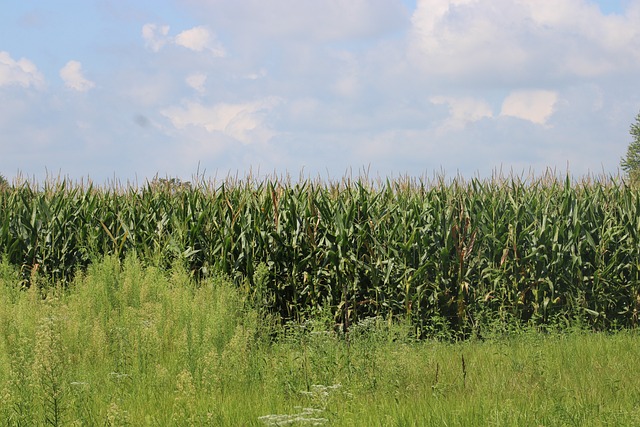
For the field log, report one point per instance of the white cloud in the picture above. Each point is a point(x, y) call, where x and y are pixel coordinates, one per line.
point(22, 72)
point(303, 20)
point(533, 105)
point(73, 78)
point(155, 36)
point(522, 39)
point(428, 16)
point(244, 122)
point(462, 111)
point(198, 39)
point(463, 37)
point(197, 81)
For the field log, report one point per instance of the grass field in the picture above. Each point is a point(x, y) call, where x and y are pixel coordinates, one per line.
point(127, 344)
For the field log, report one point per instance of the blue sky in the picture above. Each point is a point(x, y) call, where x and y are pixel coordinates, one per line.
point(115, 88)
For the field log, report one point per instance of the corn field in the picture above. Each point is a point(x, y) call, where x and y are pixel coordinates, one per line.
point(457, 251)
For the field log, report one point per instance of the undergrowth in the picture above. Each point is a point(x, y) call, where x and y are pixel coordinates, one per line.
point(127, 344)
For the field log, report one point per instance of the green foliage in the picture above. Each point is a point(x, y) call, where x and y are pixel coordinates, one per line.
point(119, 337)
point(125, 344)
point(462, 253)
point(631, 162)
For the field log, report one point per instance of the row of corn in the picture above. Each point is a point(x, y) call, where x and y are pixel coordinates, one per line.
point(533, 250)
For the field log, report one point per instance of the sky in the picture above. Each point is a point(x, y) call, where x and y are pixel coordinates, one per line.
point(129, 90)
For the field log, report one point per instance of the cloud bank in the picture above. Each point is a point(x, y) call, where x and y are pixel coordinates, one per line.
point(523, 40)
point(465, 86)
point(21, 72)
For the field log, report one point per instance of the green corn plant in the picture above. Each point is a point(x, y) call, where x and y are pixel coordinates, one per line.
point(535, 250)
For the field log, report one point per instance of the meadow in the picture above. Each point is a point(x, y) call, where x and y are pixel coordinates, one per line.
point(128, 344)
point(400, 302)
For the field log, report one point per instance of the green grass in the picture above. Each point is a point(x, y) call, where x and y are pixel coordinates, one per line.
point(127, 344)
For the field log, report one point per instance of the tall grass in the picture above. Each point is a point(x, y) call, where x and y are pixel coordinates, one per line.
point(124, 344)
point(462, 253)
